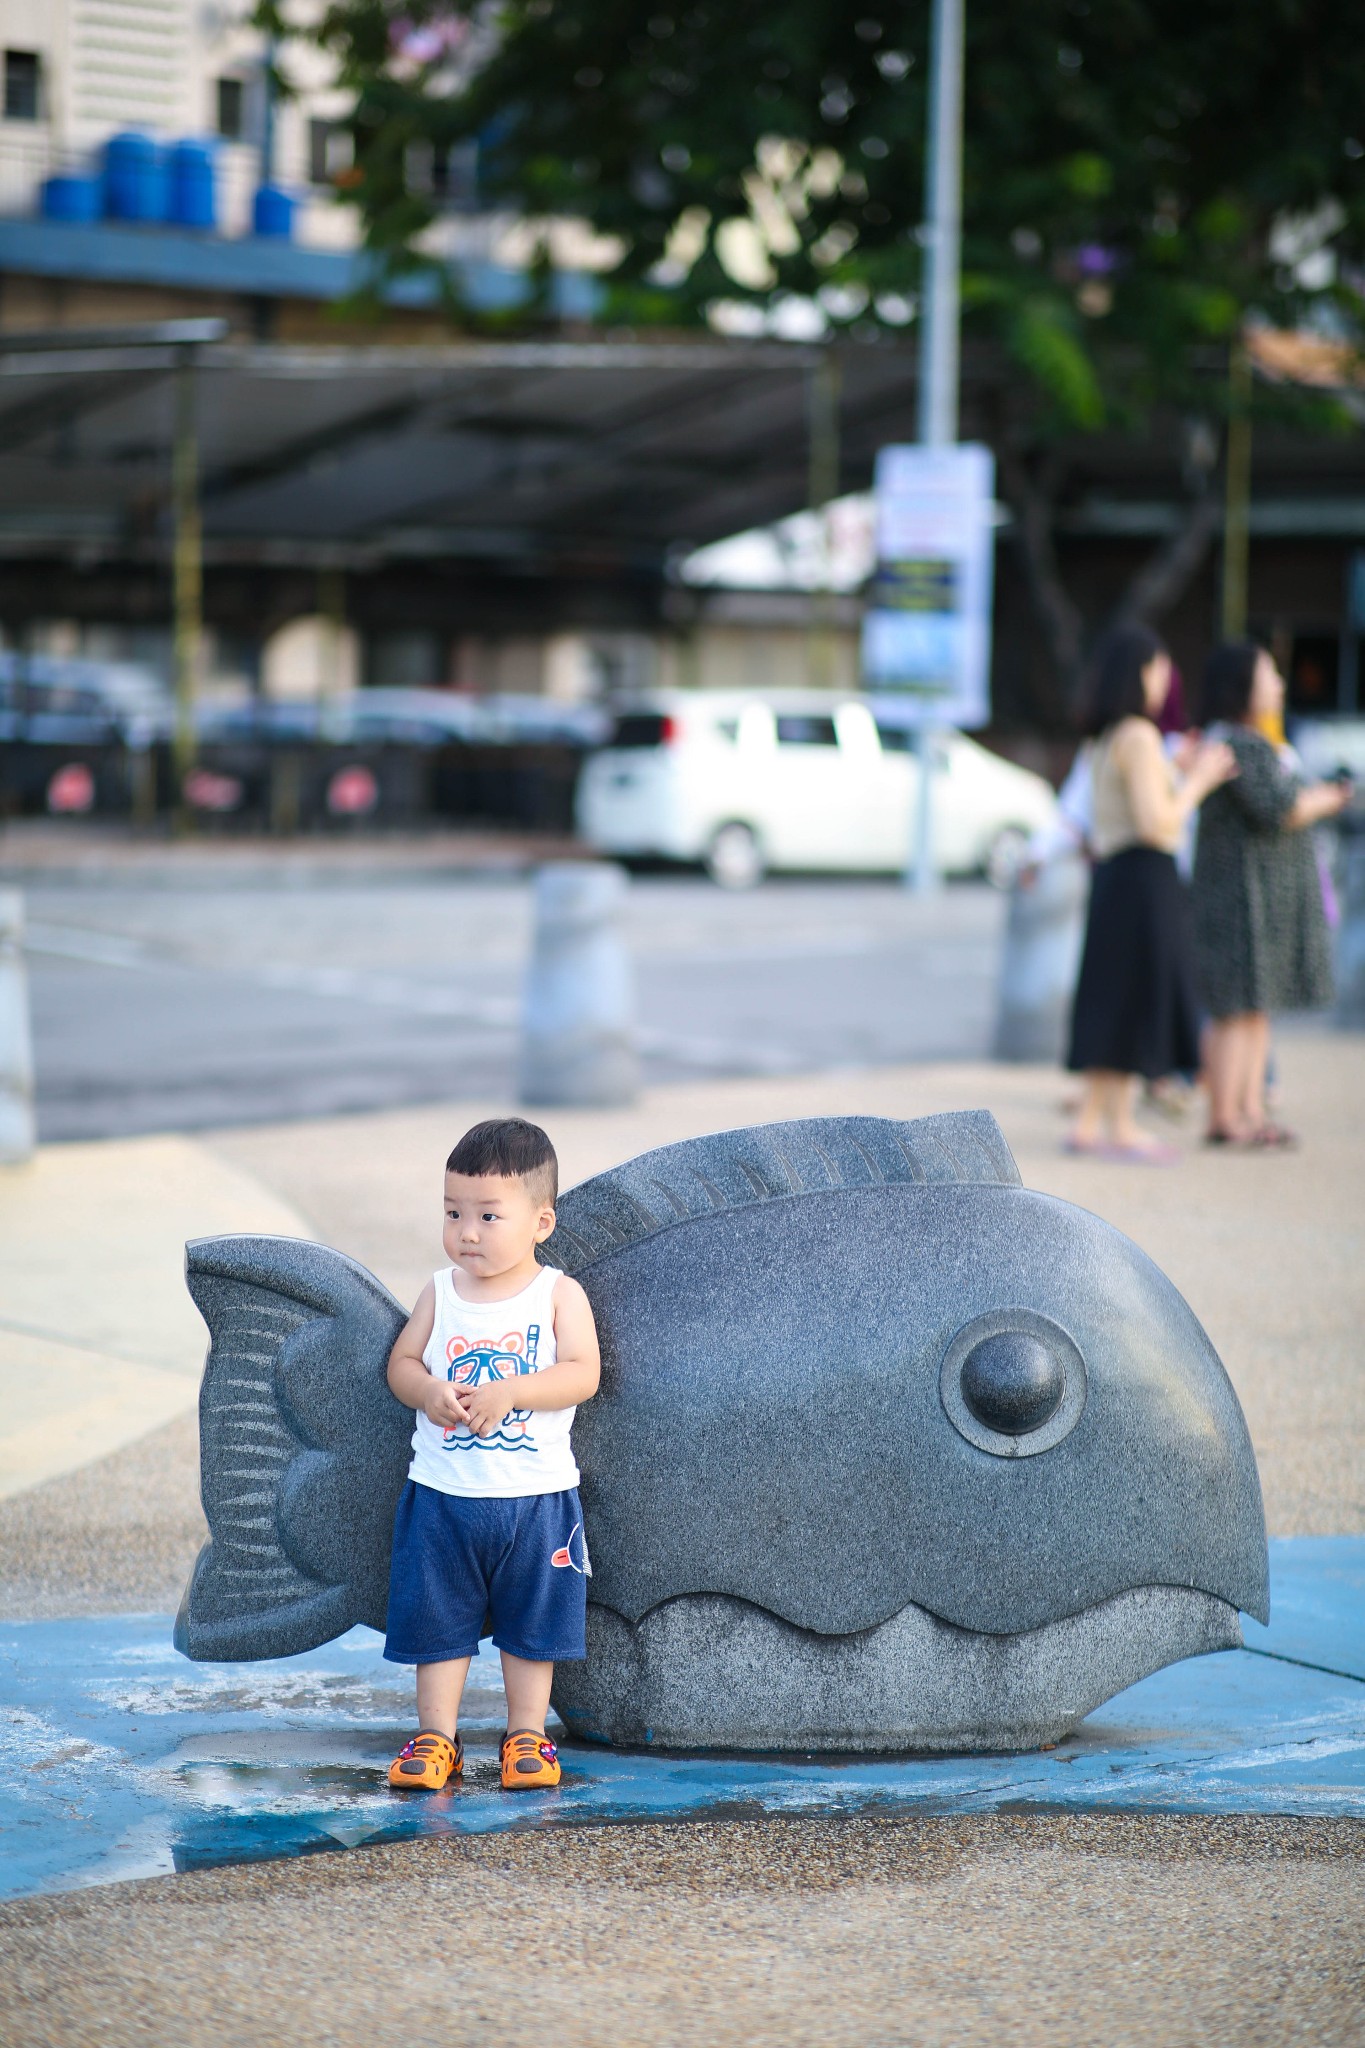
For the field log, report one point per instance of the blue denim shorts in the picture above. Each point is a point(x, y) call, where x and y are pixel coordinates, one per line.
point(461, 1564)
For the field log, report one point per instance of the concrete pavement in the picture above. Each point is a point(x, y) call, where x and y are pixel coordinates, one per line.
point(236, 999)
point(99, 1342)
point(1040, 1930)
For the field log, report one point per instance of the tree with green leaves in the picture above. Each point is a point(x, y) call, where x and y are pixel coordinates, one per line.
point(1141, 179)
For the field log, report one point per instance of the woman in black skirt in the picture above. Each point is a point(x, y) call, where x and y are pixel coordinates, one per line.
point(1136, 1010)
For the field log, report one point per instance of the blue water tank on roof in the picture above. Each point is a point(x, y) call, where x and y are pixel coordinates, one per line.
point(69, 196)
point(194, 202)
point(136, 180)
point(272, 213)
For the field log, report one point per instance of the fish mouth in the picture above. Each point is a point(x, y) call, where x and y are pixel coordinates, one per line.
point(709, 1671)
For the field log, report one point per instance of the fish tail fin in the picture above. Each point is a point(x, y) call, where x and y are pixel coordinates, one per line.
point(299, 1339)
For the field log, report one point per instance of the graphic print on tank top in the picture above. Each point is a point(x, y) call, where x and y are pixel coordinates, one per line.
point(474, 1362)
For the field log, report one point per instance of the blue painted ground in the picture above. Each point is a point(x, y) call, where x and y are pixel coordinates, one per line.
point(119, 1759)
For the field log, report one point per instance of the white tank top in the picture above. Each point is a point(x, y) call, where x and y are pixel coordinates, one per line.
point(471, 1343)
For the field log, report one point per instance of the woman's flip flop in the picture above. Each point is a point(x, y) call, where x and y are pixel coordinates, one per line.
point(1143, 1155)
point(1123, 1155)
point(427, 1762)
point(1273, 1138)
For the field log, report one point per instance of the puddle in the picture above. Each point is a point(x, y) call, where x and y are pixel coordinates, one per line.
point(118, 1759)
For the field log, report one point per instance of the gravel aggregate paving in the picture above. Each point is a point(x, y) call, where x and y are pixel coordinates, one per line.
point(1033, 1929)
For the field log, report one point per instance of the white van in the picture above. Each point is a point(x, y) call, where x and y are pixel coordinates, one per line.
point(797, 779)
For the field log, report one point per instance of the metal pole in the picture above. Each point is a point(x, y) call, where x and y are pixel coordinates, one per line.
point(332, 611)
point(938, 335)
point(1237, 503)
point(822, 391)
point(942, 231)
point(268, 112)
point(187, 573)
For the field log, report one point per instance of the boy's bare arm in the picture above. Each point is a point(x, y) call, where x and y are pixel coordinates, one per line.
point(578, 1363)
point(571, 1379)
point(409, 1379)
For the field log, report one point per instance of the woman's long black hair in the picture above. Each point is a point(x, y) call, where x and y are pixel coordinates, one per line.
point(1229, 674)
point(1116, 677)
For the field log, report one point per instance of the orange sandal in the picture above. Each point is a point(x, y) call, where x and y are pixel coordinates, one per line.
point(425, 1763)
point(529, 1760)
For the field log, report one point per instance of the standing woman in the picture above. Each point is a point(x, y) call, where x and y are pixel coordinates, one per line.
point(1136, 1012)
point(1261, 940)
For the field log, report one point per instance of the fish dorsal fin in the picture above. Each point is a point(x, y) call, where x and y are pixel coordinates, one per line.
point(772, 1163)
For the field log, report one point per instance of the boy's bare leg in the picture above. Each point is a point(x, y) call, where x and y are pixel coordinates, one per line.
point(439, 1688)
point(528, 1692)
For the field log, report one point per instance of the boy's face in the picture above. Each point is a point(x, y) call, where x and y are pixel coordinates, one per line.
point(492, 1223)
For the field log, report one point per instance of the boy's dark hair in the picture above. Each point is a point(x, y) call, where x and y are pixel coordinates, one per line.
point(1229, 674)
point(1116, 676)
point(509, 1146)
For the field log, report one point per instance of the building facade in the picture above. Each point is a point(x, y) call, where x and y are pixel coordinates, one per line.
point(77, 72)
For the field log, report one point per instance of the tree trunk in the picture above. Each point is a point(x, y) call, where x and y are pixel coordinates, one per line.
point(1165, 577)
point(1032, 497)
point(1159, 584)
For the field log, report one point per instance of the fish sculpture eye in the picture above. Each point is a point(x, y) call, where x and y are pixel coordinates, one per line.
point(1013, 1382)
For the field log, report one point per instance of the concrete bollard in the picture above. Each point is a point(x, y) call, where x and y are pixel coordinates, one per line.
point(1350, 1010)
point(578, 1011)
point(1041, 960)
point(17, 1131)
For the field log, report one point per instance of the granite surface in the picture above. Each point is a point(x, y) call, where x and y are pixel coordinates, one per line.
point(303, 1449)
point(1040, 962)
point(711, 1672)
point(774, 1424)
point(765, 1163)
point(578, 1013)
point(17, 1126)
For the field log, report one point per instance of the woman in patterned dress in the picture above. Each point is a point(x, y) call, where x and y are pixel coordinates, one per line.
point(1260, 930)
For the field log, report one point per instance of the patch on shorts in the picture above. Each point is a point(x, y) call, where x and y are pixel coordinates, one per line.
point(564, 1559)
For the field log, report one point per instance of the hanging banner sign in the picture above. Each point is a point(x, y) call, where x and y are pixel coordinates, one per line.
point(927, 632)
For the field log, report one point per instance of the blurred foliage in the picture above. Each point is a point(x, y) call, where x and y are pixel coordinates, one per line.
point(1138, 174)
point(1142, 179)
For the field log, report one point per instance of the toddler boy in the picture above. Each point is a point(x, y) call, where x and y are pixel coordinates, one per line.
point(494, 1358)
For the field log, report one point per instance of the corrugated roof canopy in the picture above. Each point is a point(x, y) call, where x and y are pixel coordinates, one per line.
point(616, 451)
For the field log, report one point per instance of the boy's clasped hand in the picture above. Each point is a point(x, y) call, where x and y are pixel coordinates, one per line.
point(479, 1409)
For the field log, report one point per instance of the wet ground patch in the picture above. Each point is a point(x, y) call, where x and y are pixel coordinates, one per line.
point(120, 1759)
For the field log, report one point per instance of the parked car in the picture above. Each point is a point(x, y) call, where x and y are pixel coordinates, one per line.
point(75, 735)
point(747, 782)
point(394, 757)
point(48, 700)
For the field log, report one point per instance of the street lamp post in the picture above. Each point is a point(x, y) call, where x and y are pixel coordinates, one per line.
point(938, 334)
point(942, 232)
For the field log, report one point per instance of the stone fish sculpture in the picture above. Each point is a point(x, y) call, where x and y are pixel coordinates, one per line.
point(890, 1453)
